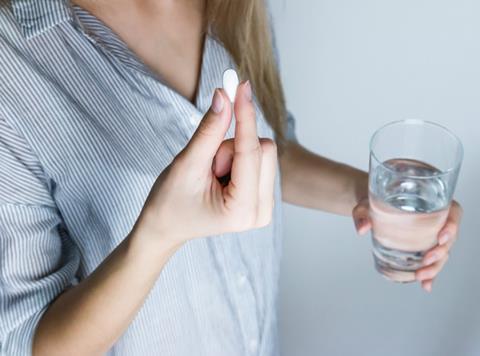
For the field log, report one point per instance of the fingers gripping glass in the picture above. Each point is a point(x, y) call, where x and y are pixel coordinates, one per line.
point(414, 167)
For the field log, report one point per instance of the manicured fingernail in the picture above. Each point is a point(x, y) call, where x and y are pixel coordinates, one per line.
point(444, 239)
point(431, 259)
point(359, 224)
point(217, 102)
point(428, 288)
point(248, 90)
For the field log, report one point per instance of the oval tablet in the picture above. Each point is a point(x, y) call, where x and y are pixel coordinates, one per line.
point(230, 83)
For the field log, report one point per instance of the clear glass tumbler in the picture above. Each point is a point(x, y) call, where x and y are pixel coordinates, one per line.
point(414, 167)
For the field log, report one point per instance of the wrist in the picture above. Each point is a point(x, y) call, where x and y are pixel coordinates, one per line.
point(359, 186)
point(149, 239)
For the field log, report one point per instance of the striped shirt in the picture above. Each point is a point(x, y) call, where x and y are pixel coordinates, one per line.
point(85, 129)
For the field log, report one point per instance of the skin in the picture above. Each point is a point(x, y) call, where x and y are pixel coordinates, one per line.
point(87, 319)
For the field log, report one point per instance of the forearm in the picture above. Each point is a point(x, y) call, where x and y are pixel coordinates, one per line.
point(315, 182)
point(88, 318)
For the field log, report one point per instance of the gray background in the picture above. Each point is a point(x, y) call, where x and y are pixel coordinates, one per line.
point(348, 67)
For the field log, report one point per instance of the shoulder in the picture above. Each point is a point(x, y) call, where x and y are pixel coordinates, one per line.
point(13, 46)
point(10, 30)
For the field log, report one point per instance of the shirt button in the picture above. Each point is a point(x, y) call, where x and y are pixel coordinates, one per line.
point(253, 345)
point(242, 279)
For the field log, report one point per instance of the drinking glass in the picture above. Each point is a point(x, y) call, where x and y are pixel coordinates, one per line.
point(414, 167)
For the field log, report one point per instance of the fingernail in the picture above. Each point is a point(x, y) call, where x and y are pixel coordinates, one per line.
point(428, 288)
point(217, 102)
point(359, 224)
point(431, 259)
point(248, 90)
point(444, 239)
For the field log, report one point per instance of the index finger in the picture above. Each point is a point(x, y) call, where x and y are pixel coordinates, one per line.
point(247, 153)
point(246, 137)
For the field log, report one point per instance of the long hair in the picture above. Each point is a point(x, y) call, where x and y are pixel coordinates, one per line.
point(243, 27)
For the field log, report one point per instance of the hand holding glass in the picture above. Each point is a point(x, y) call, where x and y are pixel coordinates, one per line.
point(414, 167)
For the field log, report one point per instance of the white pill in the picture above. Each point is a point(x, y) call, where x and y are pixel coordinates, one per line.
point(230, 83)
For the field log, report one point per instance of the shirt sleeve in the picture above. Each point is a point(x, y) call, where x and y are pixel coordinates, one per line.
point(37, 258)
point(290, 134)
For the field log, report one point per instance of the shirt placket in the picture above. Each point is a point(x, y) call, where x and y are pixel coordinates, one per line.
point(241, 283)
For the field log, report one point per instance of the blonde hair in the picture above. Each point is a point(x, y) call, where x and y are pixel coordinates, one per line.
point(243, 28)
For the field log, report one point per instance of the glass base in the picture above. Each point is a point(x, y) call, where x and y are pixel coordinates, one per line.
point(396, 265)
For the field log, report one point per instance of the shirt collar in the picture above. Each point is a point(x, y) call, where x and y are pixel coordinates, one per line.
point(38, 16)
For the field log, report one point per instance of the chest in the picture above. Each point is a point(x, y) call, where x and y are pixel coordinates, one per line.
point(174, 30)
point(104, 130)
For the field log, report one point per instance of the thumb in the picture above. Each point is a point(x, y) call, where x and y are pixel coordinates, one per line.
point(211, 131)
point(361, 217)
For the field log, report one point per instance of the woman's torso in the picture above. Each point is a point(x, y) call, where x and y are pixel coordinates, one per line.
point(103, 128)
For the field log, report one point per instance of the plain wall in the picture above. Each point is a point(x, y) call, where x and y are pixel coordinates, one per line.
point(348, 67)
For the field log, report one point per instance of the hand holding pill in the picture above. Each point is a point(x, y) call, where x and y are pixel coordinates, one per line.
point(209, 205)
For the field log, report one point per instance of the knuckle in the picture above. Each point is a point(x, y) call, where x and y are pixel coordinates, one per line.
point(204, 132)
point(360, 210)
point(243, 218)
point(257, 148)
point(432, 254)
point(206, 129)
point(268, 146)
point(442, 250)
point(253, 148)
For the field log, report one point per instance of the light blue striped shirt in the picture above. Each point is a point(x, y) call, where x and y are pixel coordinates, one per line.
point(85, 129)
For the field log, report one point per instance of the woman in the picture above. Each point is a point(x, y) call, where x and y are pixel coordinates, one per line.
point(108, 173)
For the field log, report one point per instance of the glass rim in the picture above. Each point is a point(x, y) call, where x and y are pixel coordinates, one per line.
point(454, 168)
